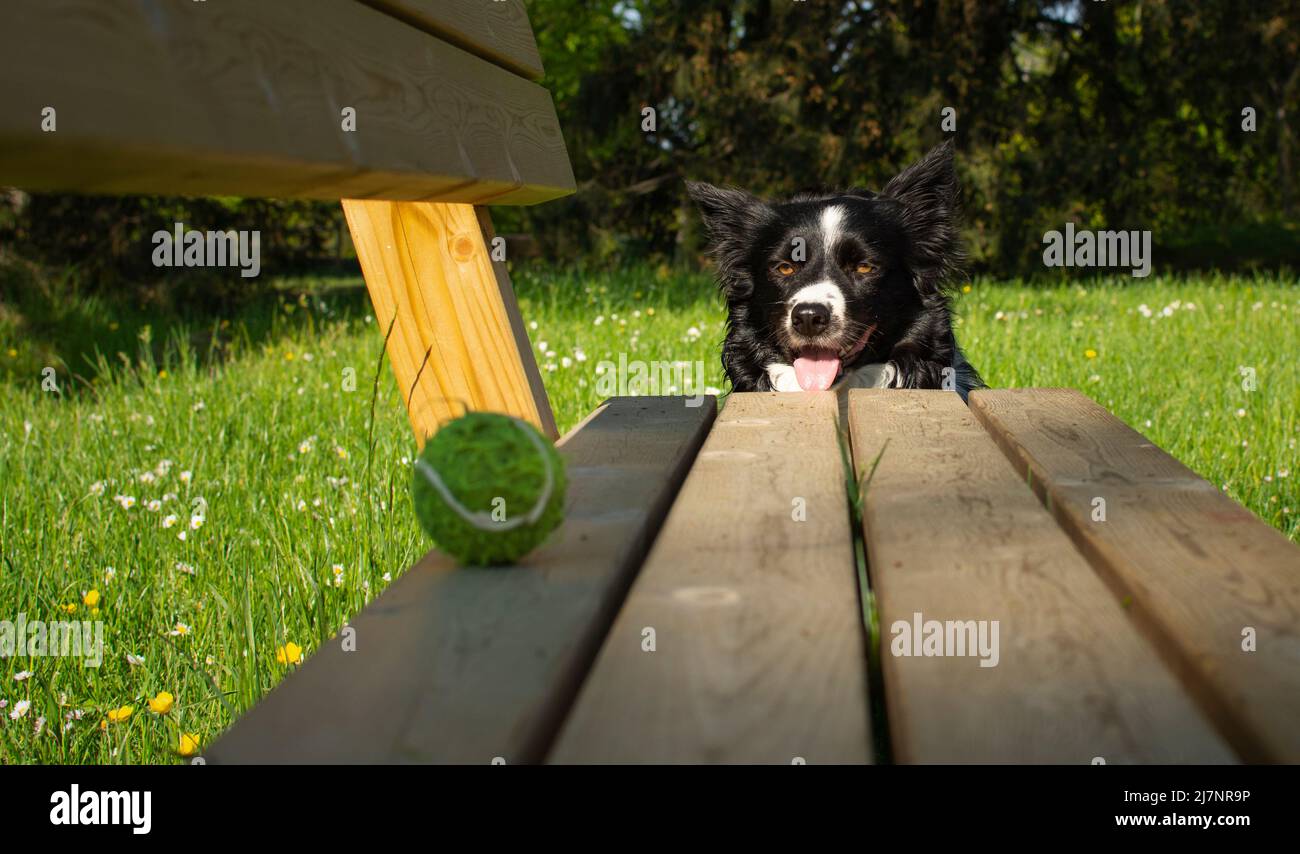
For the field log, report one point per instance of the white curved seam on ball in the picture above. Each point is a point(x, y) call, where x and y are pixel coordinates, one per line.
point(482, 519)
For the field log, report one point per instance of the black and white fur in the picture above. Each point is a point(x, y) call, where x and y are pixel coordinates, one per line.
point(870, 286)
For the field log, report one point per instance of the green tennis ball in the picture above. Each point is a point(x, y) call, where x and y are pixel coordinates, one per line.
point(499, 471)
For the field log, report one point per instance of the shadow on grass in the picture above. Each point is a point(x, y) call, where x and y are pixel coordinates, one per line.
point(54, 317)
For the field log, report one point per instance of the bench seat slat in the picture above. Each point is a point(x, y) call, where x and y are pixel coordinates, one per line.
point(1197, 568)
point(953, 533)
point(466, 665)
point(759, 641)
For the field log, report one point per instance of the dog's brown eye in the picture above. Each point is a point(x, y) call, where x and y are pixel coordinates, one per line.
point(785, 268)
point(863, 268)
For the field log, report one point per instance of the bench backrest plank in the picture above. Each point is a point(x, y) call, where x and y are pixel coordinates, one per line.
point(759, 639)
point(245, 97)
point(497, 30)
point(466, 665)
point(953, 533)
point(1196, 568)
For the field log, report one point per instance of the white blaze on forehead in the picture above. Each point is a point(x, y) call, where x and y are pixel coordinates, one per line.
point(826, 293)
point(832, 218)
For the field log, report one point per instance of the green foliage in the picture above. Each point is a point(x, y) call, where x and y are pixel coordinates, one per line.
point(1123, 115)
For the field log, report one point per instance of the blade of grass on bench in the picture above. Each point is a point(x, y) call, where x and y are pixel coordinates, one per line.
point(1197, 568)
point(953, 534)
point(759, 649)
point(466, 665)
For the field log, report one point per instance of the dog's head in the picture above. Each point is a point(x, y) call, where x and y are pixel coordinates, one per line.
point(829, 280)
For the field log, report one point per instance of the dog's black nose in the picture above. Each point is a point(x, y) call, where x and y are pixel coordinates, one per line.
point(810, 318)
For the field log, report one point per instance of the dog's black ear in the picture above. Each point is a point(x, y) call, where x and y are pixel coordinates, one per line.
point(726, 210)
point(732, 217)
point(931, 199)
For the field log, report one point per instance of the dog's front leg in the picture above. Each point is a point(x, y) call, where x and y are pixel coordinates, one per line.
point(782, 377)
point(873, 375)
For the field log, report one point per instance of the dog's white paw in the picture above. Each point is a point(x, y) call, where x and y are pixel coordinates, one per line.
point(782, 377)
point(874, 375)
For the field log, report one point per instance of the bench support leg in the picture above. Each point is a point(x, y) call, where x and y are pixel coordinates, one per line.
point(429, 264)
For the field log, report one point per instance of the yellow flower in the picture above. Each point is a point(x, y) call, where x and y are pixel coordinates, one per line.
point(162, 704)
point(118, 715)
point(189, 742)
point(290, 653)
point(70, 608)
point(650, 311)
point(288, 357)
point(91, 598)
point(1090, 353)
point(12, 353)
point(965, 289)
point(343, 454)
point(113, 327)
point(162, 375)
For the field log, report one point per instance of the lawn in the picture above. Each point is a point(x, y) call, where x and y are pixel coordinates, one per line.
point(208, 491)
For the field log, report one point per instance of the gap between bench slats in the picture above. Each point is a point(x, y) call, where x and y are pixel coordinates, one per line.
point(466, 665)
point(952, 533)
point(751, 592)
point(1197, 568)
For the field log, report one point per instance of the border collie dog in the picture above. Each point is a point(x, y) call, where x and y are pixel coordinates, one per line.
point(841, 289)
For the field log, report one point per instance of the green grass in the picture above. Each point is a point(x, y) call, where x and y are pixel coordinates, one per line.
point(254, 409)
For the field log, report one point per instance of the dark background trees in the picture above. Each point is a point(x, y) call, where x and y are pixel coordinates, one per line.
point(1118, 114)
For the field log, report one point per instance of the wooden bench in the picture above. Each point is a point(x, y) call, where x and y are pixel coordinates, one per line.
point(723, 588)
point(417, 113)
point(742, 635)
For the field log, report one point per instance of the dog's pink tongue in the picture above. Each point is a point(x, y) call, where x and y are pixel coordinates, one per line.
point(816, 369)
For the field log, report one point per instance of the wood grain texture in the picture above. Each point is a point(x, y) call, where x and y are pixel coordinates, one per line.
point(244, 97)
point(496, 30)
point(760, 653)
point(465, 665)
point(523, 345)
point(953, 533)
point(1195, 567)
point(428, 264)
